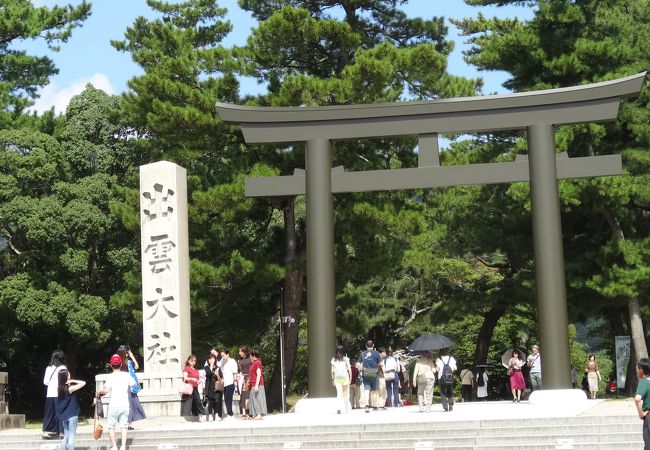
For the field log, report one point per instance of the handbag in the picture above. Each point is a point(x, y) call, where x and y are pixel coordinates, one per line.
point(98, 429)
point(185, 389)
point(370, 372)
point(247, 386)
point(218, 382)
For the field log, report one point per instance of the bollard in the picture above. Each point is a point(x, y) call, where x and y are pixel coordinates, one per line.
point(292, 445)
point(167, 446)
point(428, 445)
point(564, 444)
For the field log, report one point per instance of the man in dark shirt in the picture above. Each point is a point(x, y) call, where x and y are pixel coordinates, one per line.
point(642, 398)
point(370, 359)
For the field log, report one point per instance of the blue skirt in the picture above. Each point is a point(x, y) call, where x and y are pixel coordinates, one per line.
point(135, 408)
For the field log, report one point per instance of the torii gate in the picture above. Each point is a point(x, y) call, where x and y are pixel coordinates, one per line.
point(537, 112)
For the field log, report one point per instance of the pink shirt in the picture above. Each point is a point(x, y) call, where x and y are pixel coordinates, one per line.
point(192, 373)
point(252, 373)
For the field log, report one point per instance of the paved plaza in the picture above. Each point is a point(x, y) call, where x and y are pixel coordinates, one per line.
point(463, 412)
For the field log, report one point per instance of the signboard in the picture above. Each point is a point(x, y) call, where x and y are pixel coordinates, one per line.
point(622, 346)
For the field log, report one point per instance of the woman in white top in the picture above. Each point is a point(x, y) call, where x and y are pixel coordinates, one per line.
point(391, 375)
point(341, 376)
point(229, 370)
point(482, 384)
point(52, 428)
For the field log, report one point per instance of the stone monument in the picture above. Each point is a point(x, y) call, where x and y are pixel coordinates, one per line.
point(8, 420)
point(165, 286)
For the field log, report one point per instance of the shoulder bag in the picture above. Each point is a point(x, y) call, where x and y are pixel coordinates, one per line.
point(185, 388)
point(98, 429)
point(218, 384)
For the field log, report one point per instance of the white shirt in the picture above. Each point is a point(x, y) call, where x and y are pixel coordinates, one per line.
point(390, 363)
point(229, 370)
point(340, 367)
point(536, 364)
point(451, 362)
point(118, 384)
point(51, 380)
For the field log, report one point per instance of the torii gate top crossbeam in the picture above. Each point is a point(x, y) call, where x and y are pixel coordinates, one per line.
point(588, 103)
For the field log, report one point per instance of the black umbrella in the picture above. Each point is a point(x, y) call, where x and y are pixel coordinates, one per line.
point(430, 342)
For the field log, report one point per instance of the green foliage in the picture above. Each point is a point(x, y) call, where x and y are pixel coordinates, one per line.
point(67, 253)
point(21, 74)
point(407, 263)
point(604, 220)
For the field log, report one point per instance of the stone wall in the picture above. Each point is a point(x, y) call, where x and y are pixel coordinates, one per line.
point(159, 395)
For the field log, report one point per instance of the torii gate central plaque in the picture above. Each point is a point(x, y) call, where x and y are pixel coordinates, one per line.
point(537, 112)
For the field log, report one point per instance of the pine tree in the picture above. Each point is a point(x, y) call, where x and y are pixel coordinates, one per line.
point(569, 43)
point(22, 74)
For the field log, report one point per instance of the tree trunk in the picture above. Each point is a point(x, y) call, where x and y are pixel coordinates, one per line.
point(290, 305)
point(636, 329)
point(487, 330)
point(636, 325)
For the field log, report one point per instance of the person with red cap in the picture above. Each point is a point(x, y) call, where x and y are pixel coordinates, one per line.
point(117, 385)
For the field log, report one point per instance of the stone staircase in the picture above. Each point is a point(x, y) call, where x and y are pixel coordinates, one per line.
point(7, 420)
point(585, 432)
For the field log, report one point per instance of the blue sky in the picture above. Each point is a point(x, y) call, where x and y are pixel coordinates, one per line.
point(89, 58)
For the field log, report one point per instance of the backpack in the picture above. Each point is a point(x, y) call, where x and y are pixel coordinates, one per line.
point(447, 378)
point(480, 381)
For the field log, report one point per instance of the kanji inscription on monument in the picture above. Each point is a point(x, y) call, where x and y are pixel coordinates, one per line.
point(165, 266)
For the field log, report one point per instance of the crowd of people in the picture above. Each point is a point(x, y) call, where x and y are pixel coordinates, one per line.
point(213, 386)
point(210, 388)
point(62, 408)
point(376, 379)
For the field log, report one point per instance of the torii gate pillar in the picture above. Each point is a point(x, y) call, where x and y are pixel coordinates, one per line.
point(321, 306)
point(549, 255)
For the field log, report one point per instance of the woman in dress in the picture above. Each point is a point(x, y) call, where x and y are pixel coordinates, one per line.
point(191, 404)
point(67, 407)
point(257, 400)
point(482, 384)
point(244, 365)
point(214, 397)
point(130, 364)
point(424, 378)
point(593, 375)
point(52, 428)
point(517, 382)
point(341, 376)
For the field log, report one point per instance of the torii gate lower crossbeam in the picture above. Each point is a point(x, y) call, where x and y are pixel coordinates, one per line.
point(537, 112)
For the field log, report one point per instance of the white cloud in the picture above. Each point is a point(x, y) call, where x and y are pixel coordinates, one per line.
point(52, 95)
